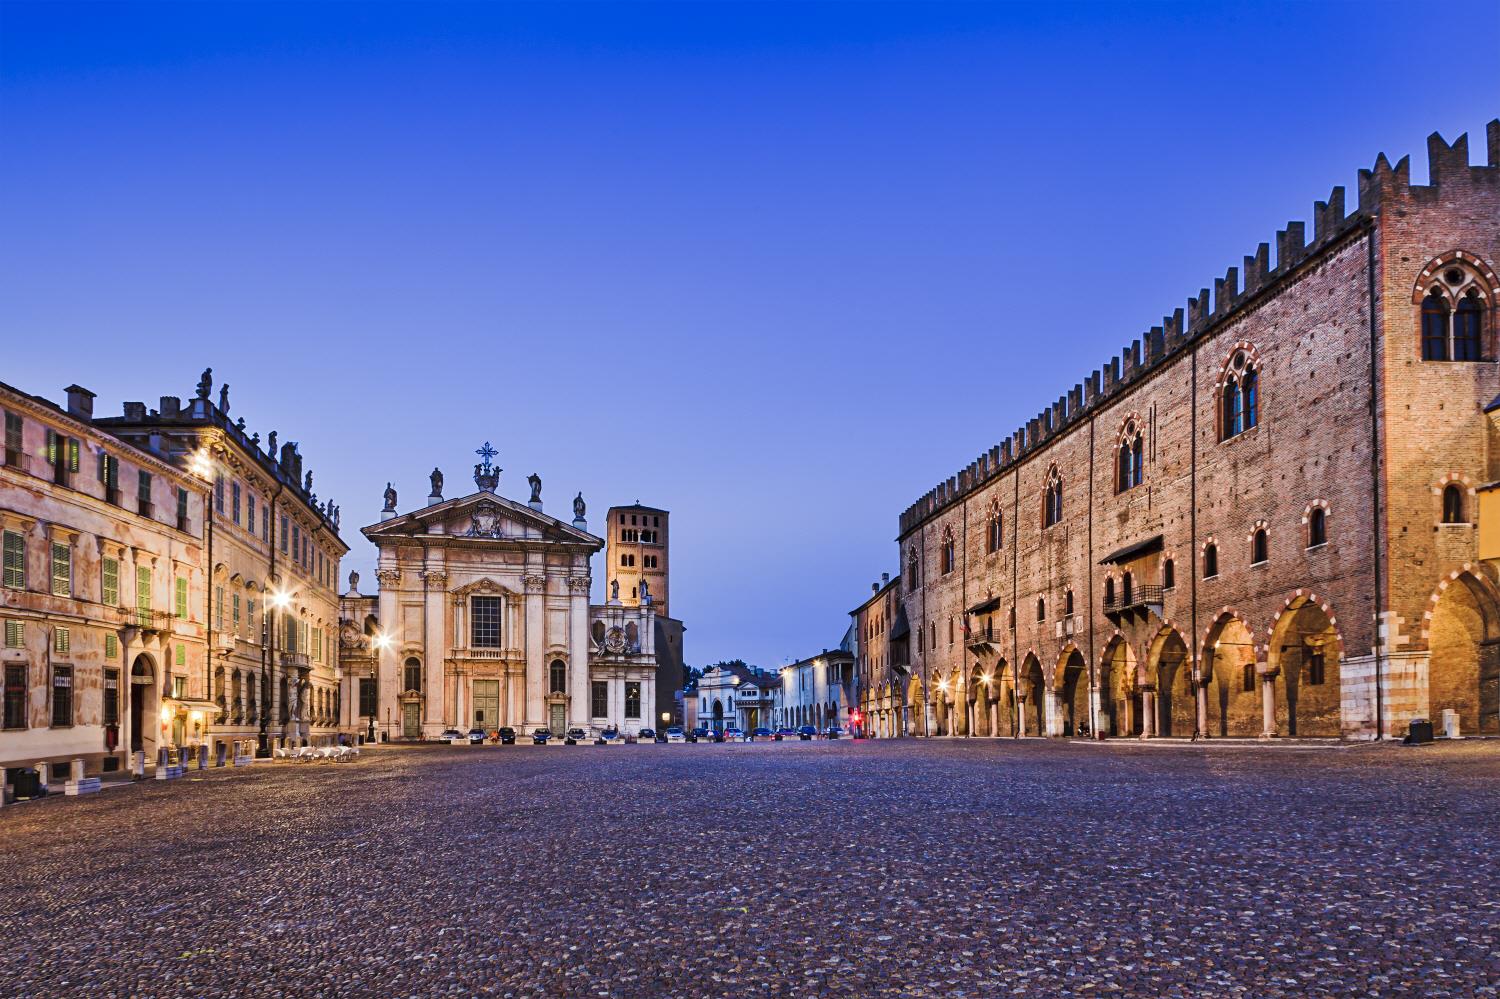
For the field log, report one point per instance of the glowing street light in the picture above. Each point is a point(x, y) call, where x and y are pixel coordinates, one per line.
point(380, 640)
point(201, 464)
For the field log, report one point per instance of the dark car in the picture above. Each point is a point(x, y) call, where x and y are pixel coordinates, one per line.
point(609, 735)
point(540, 736)
point(507, 736)
point(476, 736)
point(806, 733)
point(699, 734)
point(716, 735)
point(575, 736)
point(646, 735)
point(832, 732)
point(784, 733)
point(759, 733)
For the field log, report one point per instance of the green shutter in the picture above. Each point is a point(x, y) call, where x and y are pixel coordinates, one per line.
point(72, 454)
point(15, 633)
point(62, 640)
point(111, 582)
point(62, 565)
point(143, 587)
point(15, 561)
point(111, 646)
point(181, 655)
point(51, 446)
point(182, 594)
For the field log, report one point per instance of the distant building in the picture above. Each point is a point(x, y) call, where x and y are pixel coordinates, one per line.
point(638, 554)
point(815, 691)
point(735, 696)
point(880, 639)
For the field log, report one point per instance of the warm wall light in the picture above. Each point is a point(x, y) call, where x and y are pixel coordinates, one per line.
point(278, 598)
point(201, 464)
point(380, 640)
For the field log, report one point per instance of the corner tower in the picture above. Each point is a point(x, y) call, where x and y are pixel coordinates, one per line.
point(638, 547)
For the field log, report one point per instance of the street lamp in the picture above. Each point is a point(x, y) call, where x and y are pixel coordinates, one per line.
point(380, 641)
point(276, 600)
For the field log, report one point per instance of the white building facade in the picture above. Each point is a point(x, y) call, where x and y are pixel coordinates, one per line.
point(484, 620)
point(815, 691)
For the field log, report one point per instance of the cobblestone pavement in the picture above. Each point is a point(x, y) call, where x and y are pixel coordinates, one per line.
point(889, 868)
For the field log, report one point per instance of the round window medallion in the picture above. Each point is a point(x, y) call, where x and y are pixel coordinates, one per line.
point(1454, 276)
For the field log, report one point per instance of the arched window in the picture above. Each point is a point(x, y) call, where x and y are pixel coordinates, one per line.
point(1453, 313)
point(1052, 499)
point(1259, 551)
point(1109, 592)
point(1435, 327)
point(1210, 560)
point(1239, 399)
point(912, 580)
point(559, 677)
point(413, 677)
point(1068, 603)
point(1317, 527)
point(1129, 455)
point(1168, 575)
point(1468, 322)
point(947, 555)
point(1453, 504)
point(1041, 608)
point(1127, 585)
point(994, 529)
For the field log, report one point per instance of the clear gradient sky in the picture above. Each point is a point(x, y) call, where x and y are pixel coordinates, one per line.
point(778, 269)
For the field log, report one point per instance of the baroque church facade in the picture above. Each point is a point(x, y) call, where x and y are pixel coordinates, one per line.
point(483, 620)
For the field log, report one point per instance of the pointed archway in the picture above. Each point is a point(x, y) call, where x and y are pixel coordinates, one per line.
point(1234, 698)
point(1073, 692)
point(1176, 701)
point(1463, 640)
point(1033, 698)
point(1119, 693)
point(1304, 652)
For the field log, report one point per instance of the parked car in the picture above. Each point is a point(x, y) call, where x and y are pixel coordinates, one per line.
point(646, 735)
point(507, 736)
point(675, 734)
point(784, 733)
point(832, 732)
point(540, 736)
point(733, 734)
point(451, 735)
point(610, 736)
point(699, 734)
point(759, 733)
point(807, 733)
point(661, 735)
point(574, 736)
point(476, 736)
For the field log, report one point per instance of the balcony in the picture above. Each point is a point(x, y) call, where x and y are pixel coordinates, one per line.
point(1140, 597)
point(141, 617)
point(294, 660)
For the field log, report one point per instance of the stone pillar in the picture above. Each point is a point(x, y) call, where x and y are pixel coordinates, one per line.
point(536, 650)
point(75, 771)
point(1055, 714)
point(1200, 695)
point(434, 665)
point(578, 649)
point(388, 660)
point(1021, 703)
point(1148, 713)
point(1267, 704)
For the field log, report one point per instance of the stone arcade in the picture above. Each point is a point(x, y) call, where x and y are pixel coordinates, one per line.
point(483, 620)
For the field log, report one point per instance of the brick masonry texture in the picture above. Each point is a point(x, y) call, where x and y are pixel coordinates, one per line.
point(1306, 325)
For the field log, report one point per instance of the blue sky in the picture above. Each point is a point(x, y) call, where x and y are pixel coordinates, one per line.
point(778, 269)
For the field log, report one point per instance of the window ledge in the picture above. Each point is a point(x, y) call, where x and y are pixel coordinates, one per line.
point(1320, 546)
point(1261, 564)
point(1214, 576)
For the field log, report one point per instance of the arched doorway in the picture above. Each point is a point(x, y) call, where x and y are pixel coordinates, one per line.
point(1034, 696)
point(1463, 673)
point(1119, 694)
point(144, 726)
point(1073, 693)
point(718, 715)
point(1305, 648)
point(1176, 701)
point(1234, 698)
point(916, 708)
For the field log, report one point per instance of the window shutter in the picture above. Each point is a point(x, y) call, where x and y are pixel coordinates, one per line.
point(15, 561)
point(51, 446)
point(72, 454)
point(111, 582)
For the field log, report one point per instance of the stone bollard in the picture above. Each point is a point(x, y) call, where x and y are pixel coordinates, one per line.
point(43, 778)
point(161, 763)
point(77, 771)
point(221, 751)
point(203, 756)
point(138, 763)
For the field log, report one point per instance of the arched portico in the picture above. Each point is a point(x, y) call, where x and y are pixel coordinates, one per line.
point(1033, 697)
point(1234, 697)
point(1176, 699)
point(1119, 693)
point(1463, 636)
point(1304, 655)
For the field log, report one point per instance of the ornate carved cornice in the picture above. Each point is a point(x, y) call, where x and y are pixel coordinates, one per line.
point(535, 583)
point(388, 577)
point(435, 577)
point(579, 584)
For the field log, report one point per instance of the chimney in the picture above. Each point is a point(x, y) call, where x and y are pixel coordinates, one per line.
point(170, 406)
point(885, 577)
point(80, 402)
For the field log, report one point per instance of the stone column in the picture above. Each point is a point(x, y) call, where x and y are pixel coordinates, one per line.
point(1096, 715)
point(1021, 703)
point(1055, 718)
point(388, 659)
point(578, 648)
point(434, 650)
point(1148, 713)
point(1267, 704)
point(1200, 695)
point(536, 667)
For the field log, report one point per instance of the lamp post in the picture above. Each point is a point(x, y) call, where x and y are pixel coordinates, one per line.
point(381, 641)
point(276, 600)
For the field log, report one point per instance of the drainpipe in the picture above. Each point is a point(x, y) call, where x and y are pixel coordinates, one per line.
point(1200, 698)
point(1093, 714)
point(268, 647)
point(1375, 484)
point(1015, 620)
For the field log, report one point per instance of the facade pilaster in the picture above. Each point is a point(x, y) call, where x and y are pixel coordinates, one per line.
point(578, 642)
point(536, 666)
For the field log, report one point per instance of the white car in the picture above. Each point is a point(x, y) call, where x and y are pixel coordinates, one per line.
point(675, 734)
point(611, 737)
point(733, 735)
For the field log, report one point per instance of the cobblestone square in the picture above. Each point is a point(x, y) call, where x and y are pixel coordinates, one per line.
point(931, 868)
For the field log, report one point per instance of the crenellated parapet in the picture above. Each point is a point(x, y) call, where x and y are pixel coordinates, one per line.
point(1205, 313)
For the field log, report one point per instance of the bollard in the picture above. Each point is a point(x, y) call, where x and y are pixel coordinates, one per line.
point(138, 763)
point(161, 763)
point(77, 774)
point(221, 750)
point(203, 756)
point(43, 777)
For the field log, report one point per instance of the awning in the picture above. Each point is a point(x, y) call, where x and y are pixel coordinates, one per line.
point(985, 607)
point(899, 627)
point(1133, 551)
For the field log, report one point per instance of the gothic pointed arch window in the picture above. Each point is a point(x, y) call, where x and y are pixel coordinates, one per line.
point(948, 559)
point(1129, 456)
point(1239, 394)
point(1456, 295)
point(1052, 498)
point(994, 528)
point(1453, 504)
point(913, 578)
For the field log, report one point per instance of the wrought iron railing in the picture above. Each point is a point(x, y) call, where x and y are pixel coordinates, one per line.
point(1136, 596)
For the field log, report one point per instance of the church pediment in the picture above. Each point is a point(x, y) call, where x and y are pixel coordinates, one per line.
point(482, 516)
